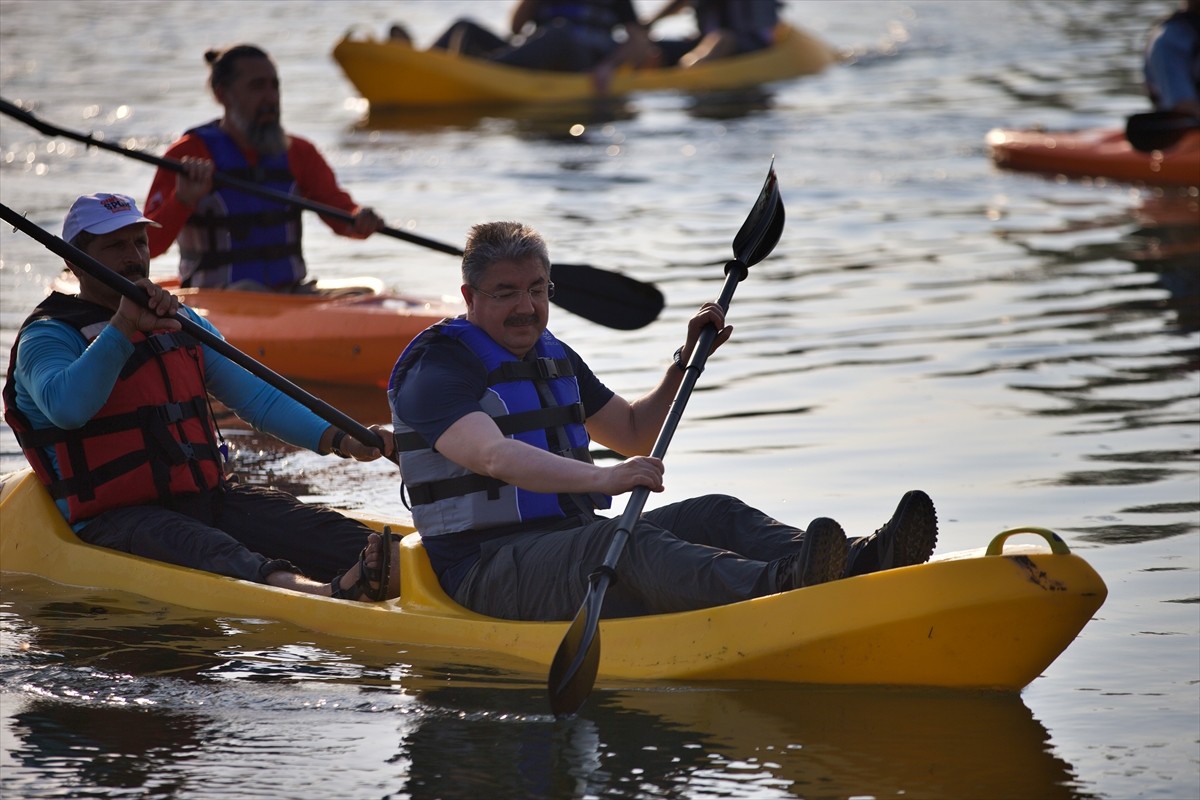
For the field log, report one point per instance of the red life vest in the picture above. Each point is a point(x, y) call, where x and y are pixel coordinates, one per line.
point(151, 441)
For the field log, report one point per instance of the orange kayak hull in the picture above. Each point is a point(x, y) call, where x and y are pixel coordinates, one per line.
point(317, 339)
point(1096, 153)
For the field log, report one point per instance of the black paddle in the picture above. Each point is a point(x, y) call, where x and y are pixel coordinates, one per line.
point(573, 671)
point(1158, 130)
point(127, 288)
point(608, 298)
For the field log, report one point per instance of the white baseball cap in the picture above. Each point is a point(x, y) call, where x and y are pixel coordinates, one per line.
point(102, 213)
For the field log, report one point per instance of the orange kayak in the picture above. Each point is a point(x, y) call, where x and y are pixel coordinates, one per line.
point(352, 338)
point(1096, 153)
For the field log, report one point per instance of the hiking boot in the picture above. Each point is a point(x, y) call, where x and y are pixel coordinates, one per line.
point(907, 538)
point(822, 557)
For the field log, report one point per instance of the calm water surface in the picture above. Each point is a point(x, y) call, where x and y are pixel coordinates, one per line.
point(1024, 349)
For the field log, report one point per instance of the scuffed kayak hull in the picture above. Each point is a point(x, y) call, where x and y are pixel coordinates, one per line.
point(394, 74)
point(1099, 153)
point(970, 620)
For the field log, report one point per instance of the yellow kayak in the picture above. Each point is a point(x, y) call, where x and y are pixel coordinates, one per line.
point(391, 73)
point(991, 619)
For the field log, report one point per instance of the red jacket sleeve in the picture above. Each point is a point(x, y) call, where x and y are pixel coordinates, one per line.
point(317, 182)
point(161, 204)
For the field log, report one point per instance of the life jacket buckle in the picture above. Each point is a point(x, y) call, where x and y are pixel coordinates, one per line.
point(547, 369)
point(171, 412)
point(161, 343)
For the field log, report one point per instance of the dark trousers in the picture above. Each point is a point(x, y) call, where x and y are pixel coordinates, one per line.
point(239, 531)
point(698, 553)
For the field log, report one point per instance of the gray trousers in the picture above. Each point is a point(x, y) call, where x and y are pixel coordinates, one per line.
point(698, 553)
point(244, 532)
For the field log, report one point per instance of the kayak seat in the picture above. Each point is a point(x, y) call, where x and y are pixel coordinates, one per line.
point(419, 586)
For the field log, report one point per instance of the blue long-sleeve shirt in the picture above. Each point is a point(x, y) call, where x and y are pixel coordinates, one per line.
point(62, 381)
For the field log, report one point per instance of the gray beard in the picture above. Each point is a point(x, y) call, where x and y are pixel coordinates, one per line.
point(268, 139)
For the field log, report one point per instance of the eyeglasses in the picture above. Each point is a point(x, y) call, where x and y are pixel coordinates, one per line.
point(536, 294)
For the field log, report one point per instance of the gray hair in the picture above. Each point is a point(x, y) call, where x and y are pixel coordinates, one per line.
point(491, 242)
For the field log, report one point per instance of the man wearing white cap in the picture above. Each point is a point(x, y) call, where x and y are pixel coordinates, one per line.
point(109, 402)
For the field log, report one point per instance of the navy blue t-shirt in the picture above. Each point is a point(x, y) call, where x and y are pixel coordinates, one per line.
point(441, 388)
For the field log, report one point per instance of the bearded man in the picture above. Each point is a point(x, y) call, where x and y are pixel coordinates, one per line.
point(229, 238)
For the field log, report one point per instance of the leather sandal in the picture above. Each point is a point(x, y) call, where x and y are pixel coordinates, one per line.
point(367, 576)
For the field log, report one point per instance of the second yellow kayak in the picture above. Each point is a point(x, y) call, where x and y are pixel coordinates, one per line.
point(394, 74)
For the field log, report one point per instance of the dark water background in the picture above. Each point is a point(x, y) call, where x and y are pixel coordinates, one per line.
point(1023, 348)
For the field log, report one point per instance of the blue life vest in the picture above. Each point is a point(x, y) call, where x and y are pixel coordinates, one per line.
point(233, 236)
point(535, 400)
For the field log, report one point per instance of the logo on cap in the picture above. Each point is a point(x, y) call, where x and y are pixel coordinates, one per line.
point(116, 204)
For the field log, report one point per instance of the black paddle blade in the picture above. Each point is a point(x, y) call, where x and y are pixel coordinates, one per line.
point(573, 671)
point(763, 227)
point(608, 298)
point(1158, 130)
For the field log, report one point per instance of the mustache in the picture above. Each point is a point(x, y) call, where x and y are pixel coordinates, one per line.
point(520, 320)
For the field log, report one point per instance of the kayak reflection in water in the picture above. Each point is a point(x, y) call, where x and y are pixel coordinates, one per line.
point(493, 417)
point(229, 238)
point(109, 402)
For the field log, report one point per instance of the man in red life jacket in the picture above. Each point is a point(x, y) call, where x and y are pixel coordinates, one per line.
point(109, 402)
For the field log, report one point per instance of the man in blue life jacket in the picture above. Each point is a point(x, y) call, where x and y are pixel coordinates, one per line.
point(493, 416)
point(109, 402)
point(233, 239)
point(1172, 68)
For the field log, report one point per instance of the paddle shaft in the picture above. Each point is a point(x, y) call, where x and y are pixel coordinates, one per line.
point(576, 663)
point(735, 273)
point(562, 696)
point(136, 293)
point(604, 297)
point(219, 178)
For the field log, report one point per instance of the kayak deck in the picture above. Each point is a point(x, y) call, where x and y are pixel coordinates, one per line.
point(982, 621)
point(1095, 153)
point(394, 74)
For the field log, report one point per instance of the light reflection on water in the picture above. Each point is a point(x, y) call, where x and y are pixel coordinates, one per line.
point(1025, 349)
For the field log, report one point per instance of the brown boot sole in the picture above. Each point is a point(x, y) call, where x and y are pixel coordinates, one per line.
point(825, 549)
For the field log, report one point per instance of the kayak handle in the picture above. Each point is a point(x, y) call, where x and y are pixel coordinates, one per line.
point(1057, 545)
